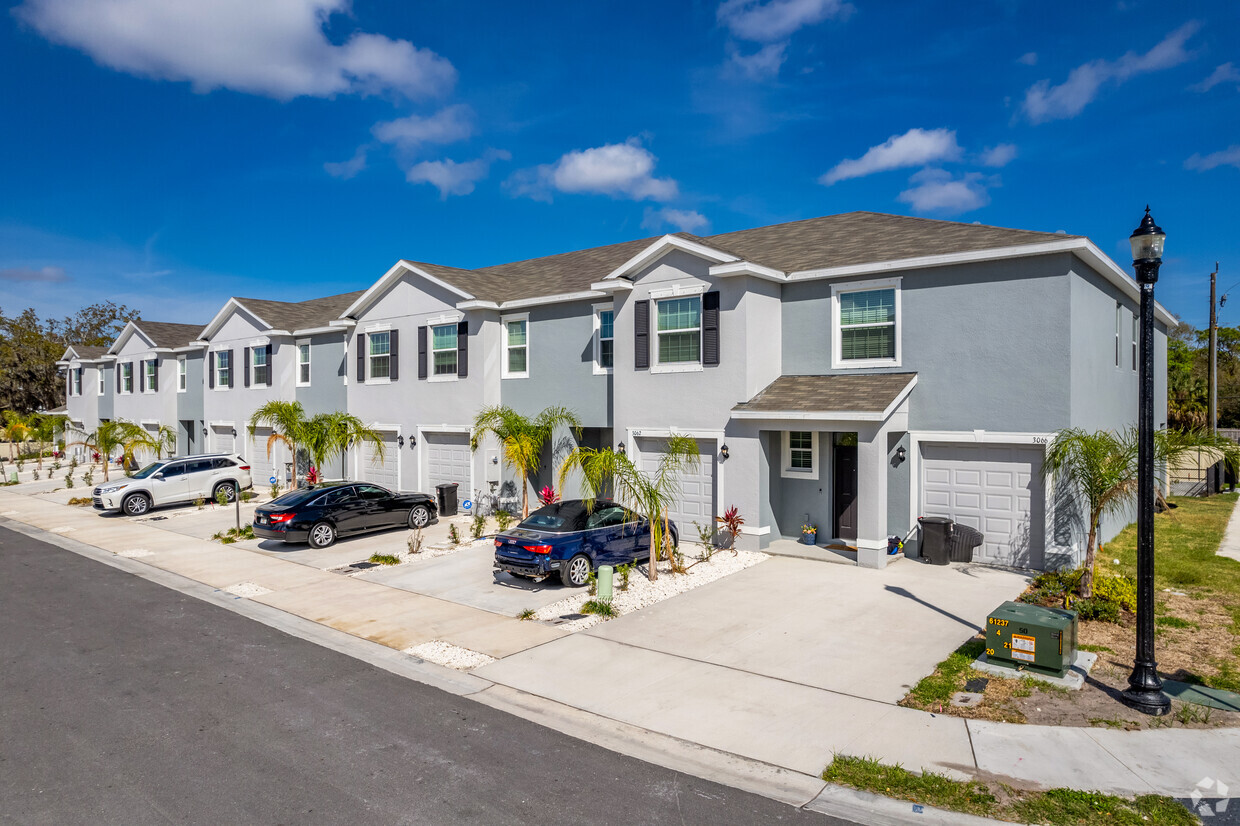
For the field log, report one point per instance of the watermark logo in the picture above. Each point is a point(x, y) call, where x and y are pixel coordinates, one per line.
point(1207, 788)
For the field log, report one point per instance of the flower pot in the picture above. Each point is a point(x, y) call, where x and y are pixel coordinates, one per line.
point(809, 538)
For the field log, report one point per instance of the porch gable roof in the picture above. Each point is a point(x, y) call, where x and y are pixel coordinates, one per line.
point(858, 396)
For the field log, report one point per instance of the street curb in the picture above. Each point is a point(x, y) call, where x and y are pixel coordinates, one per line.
point(875, 810)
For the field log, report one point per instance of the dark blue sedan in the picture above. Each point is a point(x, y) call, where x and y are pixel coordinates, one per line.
point(572, 539)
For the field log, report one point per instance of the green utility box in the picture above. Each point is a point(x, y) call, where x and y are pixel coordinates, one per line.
point(1032, 637)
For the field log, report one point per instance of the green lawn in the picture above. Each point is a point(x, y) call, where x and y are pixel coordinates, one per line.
point(1186, 541)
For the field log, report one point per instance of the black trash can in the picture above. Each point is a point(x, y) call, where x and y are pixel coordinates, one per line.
point(963, 540)
point(447, 498)
point(936, 535)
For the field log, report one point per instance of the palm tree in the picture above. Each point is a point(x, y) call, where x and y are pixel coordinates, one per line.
point(16, 429)
point(649, 494)
point(112, 435)
point(1102, 468)
point(522, 438)
point(329, 435)
point(165, 440)
point(287, 421)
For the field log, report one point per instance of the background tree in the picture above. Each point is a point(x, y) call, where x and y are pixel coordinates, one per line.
point(522, 439)
point(117, 436)
point(15, 431)
point(649, 494)
point(329, 435)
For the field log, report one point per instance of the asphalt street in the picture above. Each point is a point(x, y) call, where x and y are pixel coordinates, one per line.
point(127, 702)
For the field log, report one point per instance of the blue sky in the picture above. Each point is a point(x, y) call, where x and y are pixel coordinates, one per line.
point(170, 154)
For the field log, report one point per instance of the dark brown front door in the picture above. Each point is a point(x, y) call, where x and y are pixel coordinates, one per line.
point(844, 483)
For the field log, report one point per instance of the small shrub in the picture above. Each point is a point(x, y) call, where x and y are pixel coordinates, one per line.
point(80, 500)
point(69, 479)
point(275, 489)
point(601, 607)
point(477, 526)
point(200, 503)
point(56, 465)
point(247, 495)
point(385, 559)
point(503, 519)
point(88, 478)
point(732, 522)
point(20, 465)
point(36, 475)
point(592, 582)
point(454, 536)
point(706, 536)
point(232, 535)
point(624, 571)
point(1096, 609)
point(221, 498)
point(1121, 590)
point(527, 614)
point(415, 542)
point(548, 496)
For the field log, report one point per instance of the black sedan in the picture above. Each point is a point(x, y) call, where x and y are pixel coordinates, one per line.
point(320, 514)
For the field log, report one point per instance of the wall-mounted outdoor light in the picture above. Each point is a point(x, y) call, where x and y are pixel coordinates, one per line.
point(723, 451)
point(400, 441)
point(413, 442)
point(620, 448)
point(901, 453)
point(204, 431)
point(234, 432)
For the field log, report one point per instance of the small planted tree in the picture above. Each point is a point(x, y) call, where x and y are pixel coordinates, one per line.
point(15, 430)
point(117, 436)
point(522, 439)
point(649, 494)
point(43, 429)
point(288, 423)
point(330, 435)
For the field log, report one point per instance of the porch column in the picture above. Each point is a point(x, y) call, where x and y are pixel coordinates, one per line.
point(872, 497)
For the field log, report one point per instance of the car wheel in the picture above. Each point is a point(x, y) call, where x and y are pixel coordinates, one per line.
point(230, 491)
point(136, 504)
point(322, 535)
point(419, 517)
point(577, 572)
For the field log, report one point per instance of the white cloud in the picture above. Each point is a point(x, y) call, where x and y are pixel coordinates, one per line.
point(935, 190)
point(347, 169)
point(776, 19)
point(448, 125)
point(1044, 102)
point(685, 220)
point(44, 274)
point(914, 148)
point(621, 170)
point(998, 155)
point(1226, 73)
point(276, 48)
point(761, 65)
point(452, 178)
point(1028, 59)
point(1224, 157)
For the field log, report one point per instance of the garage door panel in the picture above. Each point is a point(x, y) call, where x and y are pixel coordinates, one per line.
point(696, 502)
point(448, 460)
point(382, 470)
point(221, 440)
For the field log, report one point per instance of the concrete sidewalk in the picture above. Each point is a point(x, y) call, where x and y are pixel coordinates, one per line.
point(763, 675)
point(1230, 546)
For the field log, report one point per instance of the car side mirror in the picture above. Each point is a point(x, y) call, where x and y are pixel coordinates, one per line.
point(159, 475)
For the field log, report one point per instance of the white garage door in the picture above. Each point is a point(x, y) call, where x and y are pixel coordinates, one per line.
point(448, 460)
point(261, 467)
point(696, 502)
point(996, 489)
point(221, 440)
point(145, 455)
point(383, 471)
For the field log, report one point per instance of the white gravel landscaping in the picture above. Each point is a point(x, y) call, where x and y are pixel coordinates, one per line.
point(643, 592)
point(247, 589)
point(427, 552)
point(447, 654)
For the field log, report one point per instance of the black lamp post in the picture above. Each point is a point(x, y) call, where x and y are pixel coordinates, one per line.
point(1144, 692)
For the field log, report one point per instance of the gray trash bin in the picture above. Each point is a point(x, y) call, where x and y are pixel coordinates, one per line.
point(936, 535)
point(963, 540)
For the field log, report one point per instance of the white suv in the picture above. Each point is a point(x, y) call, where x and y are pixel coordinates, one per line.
point(180, 479)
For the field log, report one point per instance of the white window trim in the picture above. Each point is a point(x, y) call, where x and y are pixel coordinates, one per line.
point(132, 378)
point(215, 365)
point(1135, 323)
point(305, 342)
point(254, 351)
point(146, 383)
point(837, 338)
point(370, 357)
point(1119, 326)
point(182, 375)
point(677, 291)
point(504, 321)
point(787, 471)
point(599, 369)
point(102, 383)
point(78, 374)
point(657, 366)
point(430, 349)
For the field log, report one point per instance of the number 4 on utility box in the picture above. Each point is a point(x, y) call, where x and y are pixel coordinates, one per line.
point(1031, 637)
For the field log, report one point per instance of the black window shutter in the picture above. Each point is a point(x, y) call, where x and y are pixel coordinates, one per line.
point(212, 362)
point(271, 368)
point(155, 376)
point(710, 328)
point(641, 335)
point(462, 349)
point(142, 376)
point(247, 367)
point(360, 338)
point(421, 352)
point(394, 355)
point(232, 368)
point(117, 368)
point(69, 383)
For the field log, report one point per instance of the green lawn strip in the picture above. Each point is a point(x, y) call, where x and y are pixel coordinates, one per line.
point(948, 677)
point(1053, 808)
point(1186, 541)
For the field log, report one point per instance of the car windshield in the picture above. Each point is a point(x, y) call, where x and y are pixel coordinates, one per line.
point(152, 468)
point(562, 517)
point(296, 497)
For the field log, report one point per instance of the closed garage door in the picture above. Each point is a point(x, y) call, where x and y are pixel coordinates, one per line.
point(221, 439)
point(261, 467)
point(696, 502)
point(996, 489)
point(448, 460)
point(146, 455)
point(383, 471)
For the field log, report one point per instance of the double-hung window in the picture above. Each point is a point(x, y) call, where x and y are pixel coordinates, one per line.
point(443, 350)
point(799, 454)
point(259, 367)
point(223, 369)
point(102, 383)
point(516, 347)
point(148, 376)
point(679, 330)
point(77, 381)
point(604, 339)
point(182, 374)
point(866, 324)
point(303, 364)
point(1119, 314)
point(127, 377)
point(380, 355)
point(1135, 326)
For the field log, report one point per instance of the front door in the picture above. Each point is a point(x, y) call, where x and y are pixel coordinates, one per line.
point(844, 483)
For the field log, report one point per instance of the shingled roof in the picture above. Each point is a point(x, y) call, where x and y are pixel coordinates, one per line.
point(300, 315)
point(851, 393)
point(167, 334)
point(817, 243)
point(87, 352)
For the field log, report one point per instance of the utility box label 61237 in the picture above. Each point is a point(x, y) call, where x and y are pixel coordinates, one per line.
point(1030, 636)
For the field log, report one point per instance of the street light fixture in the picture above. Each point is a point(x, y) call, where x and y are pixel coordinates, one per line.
point(1144, 692)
